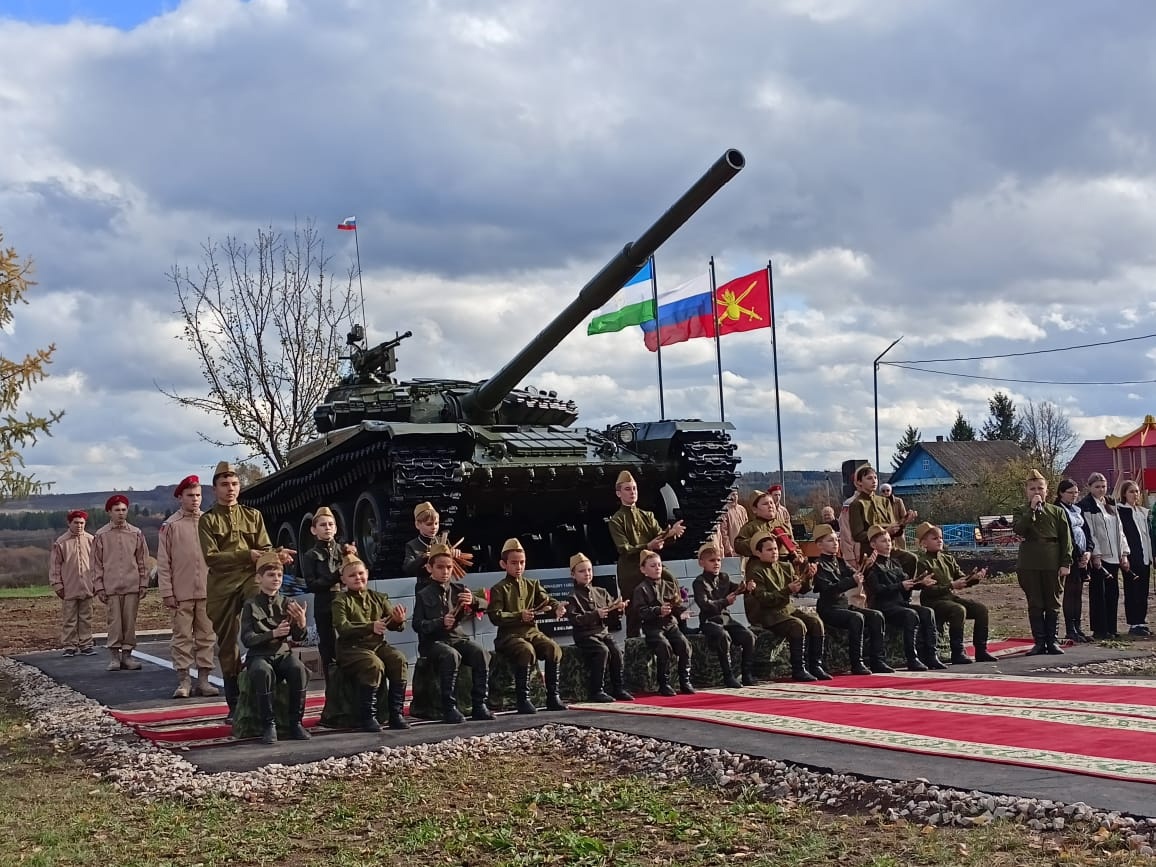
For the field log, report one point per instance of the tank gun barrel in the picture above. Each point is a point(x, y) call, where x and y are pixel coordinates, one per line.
point(487, 396)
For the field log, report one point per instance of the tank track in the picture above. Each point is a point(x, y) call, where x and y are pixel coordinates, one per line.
point(707, 468)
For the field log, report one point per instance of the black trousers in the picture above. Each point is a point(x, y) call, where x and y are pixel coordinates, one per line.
point(858, 621)
point(1103, 598)
point(323, 620)
point(720, 637)
point(1074, 596)
point(601, 655)
point(1136, 595)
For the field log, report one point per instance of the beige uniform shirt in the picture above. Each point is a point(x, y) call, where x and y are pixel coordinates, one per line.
point(119, 560)
point(181, 569)
point(70, 565)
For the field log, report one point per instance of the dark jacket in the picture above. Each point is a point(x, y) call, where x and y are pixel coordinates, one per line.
point(582, 611)
point(321, 570)
point(650, 596)
point(260, 615)
point(832, 580)
point(432, 603)
point(710, 595)
point(884, 584)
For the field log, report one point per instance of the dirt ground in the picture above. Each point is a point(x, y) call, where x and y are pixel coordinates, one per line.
point(34, 624)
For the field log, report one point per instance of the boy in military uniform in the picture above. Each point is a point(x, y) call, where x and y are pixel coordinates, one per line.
point(634, 530)
point(182, 578)
point(268, 622)
point(869, 509)
point(661, 610)
point(321, 570)
point(361, 618)
point(70, 574)
point(1044, 561)
point(232, 538)
point(769, 606)
point(427, 521)
point(120, 580)
point(889, 586)
point(514, 603)
point(438, 611)
point(940, 597)
point(833, 578)
point(714, 593)
point(588, 610)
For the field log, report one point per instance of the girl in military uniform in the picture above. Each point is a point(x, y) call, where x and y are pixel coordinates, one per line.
point(1044, 561)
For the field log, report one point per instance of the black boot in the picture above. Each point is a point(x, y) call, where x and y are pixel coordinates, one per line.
point(1080, 634)
point(979, 641)
point(958, 654)
point(1036, 621)
point(815, 647)
point(297, 731)
point(663, 673)
point(749, 678)
point(878, 654)
point(724, 663)
point(232, 691)
point(396, 699)
point(268, 721)
point(1071, 630)
point(798, 670)
point(913, 662)
point(617, 687)
point(596, 685)
point(367, 708)
point(1052, 634)
point(553, 700)
point(522, 689)
point(855, 653)
point(684, 685)
point(448, 682)
point(479, 694)
point(928, 655)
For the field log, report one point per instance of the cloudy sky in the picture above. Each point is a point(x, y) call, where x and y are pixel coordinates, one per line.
point(979, 177)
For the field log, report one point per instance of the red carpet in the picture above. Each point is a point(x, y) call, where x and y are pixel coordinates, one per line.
point(1101, 728)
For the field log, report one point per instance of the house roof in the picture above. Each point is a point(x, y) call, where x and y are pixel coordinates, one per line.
point(965, 461)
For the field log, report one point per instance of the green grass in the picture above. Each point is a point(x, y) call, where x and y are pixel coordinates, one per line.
point(35, 592)
point(529, 808)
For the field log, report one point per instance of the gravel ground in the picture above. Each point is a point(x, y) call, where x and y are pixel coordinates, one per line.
point(143, 770)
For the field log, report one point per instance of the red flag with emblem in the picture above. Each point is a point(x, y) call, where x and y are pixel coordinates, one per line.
point(743, 304)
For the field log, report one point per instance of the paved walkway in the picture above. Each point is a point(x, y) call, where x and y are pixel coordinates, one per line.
point(152, 686)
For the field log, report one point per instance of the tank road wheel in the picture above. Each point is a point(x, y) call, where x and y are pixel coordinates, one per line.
point(342, 516)
point(305, 534)
point(368, 524)
point(286, 537)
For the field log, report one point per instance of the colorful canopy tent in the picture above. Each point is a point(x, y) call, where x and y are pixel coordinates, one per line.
point(1130, 457)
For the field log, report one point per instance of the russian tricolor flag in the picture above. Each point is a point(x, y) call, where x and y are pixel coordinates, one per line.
point(349, 224)
point(685, 312)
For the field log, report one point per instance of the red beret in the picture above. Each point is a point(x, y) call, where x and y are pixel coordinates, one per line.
point(774, 488)
point(77, 513)
point(113, 500)
point(184, 484)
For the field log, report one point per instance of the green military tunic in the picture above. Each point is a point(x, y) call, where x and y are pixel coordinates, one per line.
point(941, 598)
point(227, 535)
point(1046, 547)
point(866, 511)
point(521, 642)
point(261, 615)
point(632, 529)
point(360, 651)
point(747, 532)
point(769, 604)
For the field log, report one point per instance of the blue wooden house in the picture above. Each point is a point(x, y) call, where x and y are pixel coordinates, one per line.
point(939, 464)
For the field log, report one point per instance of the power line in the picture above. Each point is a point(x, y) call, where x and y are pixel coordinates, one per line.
point(1021, 354)
point(1027, 381)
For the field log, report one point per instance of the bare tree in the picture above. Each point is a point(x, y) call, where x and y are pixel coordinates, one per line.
point(15, 377)
point(1047, 434)
point(266, 322)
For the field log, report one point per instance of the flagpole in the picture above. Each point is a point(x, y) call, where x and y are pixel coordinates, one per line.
point(722, 415)
point(658, 337)
point(775, 362)
point(360, 285)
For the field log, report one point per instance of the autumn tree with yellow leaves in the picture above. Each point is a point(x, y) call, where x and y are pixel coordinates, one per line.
point(19, 431)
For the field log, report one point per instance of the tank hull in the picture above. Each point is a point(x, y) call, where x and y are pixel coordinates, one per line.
point(551, 487)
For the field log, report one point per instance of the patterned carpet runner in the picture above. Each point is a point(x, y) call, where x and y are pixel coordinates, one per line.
point(1098, 727)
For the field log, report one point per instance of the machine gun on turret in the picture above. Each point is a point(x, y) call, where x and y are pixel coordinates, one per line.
point(374, 365)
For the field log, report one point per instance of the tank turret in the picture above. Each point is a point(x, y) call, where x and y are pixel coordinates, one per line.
point(498, 460)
